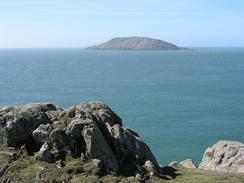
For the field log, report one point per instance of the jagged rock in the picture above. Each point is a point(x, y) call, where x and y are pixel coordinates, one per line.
point(53, 114)
point(129, 148)
point(187, 164)
point(59, 139)
point(100, 111)
point(150, 168)
point(19, 122)
point(97, 147)
point(44, 153)
point(75, 127)
point(227, 156)
point(41, 134)
point(64, 143)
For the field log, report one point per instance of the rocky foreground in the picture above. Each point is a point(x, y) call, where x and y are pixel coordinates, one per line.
point(88, 143)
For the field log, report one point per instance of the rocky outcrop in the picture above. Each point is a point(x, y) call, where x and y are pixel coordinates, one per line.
point(135, 43)
point(89, 131)
point(182, 164)
point(226, 156)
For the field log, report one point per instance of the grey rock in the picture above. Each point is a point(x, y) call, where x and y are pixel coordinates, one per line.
point(59, 139)
point(75, 127)
point(64, 143)
point(97, 147)
point(44, 153)
point(19, 122)
point(41, 134)
point(60, 164)
point(135, 43)
point(53, 114)
point(187, 164)
point(151, 168)
point(98, 111)
point(129, 148)
point(226, 156)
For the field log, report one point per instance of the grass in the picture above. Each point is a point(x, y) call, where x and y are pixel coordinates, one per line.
point(26, 170)
point(190, 176)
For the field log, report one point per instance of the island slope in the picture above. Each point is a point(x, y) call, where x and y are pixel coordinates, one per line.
point(135, 43)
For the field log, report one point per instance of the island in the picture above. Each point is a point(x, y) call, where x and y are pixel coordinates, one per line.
point(135, 43)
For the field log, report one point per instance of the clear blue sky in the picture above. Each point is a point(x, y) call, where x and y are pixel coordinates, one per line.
point(79, 23)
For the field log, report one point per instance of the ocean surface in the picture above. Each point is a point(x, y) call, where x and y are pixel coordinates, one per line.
point(180, 102)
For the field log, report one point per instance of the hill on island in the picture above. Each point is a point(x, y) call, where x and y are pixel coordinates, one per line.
point(135, 43)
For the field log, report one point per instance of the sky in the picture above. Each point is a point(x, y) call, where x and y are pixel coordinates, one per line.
point(81, 23)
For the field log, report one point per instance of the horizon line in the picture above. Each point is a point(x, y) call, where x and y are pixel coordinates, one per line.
point(76, 47)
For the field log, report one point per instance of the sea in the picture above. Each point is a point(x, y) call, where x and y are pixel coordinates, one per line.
point(180, 102)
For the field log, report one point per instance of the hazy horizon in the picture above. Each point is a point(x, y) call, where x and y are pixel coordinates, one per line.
point(75, 24)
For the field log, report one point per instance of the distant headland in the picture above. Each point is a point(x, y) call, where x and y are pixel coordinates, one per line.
point(135, 43)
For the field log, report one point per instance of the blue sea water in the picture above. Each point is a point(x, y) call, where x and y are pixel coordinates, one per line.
point(180, 102)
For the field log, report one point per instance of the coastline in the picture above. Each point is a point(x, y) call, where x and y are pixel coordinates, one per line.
point(67, 139)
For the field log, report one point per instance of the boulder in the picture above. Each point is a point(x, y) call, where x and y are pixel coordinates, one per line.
point(44, 153)
point(97, 147)
point(151, 168)
point(18, 123)
point(187, 164)
point(226, 156)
